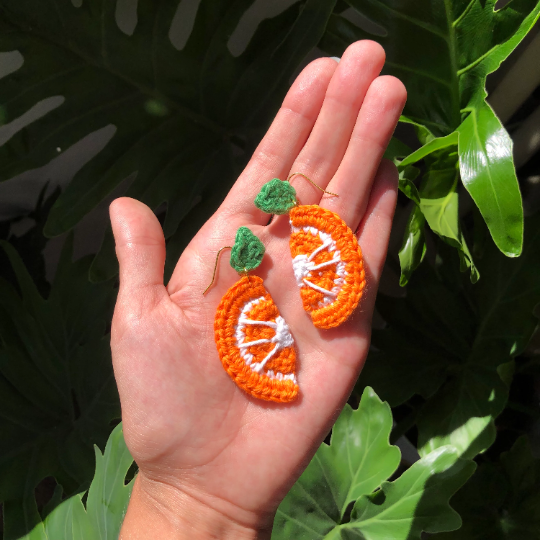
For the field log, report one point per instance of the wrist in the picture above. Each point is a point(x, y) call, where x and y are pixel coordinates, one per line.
point(157, 510)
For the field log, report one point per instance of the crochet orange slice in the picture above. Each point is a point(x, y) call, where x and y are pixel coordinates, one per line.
point(254, 342)
point(327, 263)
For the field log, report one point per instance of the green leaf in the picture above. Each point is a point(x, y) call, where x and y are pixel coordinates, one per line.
point(56, 380)
point(507, 298)
point(437, 201)
point(401, 510)
point(396, 150)
point(413, 248)
point(462, 412)
point(445, 341)
point(422, 132)
point(421, 342)
point(501, 500)
point(106, 504)
point(523, 472)
point(432, 146)
point(276, 197)
point(357, 461)
point(67, 521)
point(416, 502)
point(439, 204)
point(31, 243)
point(108, 495)
point(443, 52)
point(174, 112)
point(407, 176)
point(247, 252)
point(488, 174)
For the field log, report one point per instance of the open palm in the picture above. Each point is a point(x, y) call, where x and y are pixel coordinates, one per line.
point(194, 434)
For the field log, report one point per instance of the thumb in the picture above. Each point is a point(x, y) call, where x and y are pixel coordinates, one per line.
point(140, 244)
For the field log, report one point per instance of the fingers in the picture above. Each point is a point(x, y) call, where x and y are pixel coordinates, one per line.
point(374, 230)
point(326, 146)
point(287, 135)
point(140, 245)
point(376, 122)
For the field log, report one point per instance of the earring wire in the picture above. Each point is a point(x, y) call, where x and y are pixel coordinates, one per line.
point(312, 183)
point(215, 268)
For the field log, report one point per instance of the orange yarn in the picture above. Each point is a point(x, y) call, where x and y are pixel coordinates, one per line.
point(328, 265)
point(246, 314)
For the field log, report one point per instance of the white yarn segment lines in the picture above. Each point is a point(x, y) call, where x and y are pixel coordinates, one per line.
point(305, 267)
point(281, 339)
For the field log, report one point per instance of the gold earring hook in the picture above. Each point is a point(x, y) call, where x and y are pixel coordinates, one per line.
point(215, 268)
point(312, 183)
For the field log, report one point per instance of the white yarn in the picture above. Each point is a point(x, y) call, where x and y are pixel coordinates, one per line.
point(282, 339)
point(303, 265)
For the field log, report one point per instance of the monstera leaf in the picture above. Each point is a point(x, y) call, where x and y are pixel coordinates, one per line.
point(447, 342)
point(181, 114)
point(501, 501)
point(106, 504)
point(443, 52)
point(56, 382)
point(357, 462)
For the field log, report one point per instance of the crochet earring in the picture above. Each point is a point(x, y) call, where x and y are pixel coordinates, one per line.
point(253, 340)
point(327, 260)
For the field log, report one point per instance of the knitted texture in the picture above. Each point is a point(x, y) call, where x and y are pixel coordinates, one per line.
point(254, 342)
point(276, 197)
point(327, 263)
point(247, 252)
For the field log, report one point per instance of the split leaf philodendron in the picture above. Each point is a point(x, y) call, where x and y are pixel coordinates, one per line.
point(58, 393)
point(353, 467)
point(101, 516)
point(449, 345)
point(179, 119)
point(501, 500)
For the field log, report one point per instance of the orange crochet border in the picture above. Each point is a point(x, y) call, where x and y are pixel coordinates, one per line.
point(349, 296)
point(227, 314)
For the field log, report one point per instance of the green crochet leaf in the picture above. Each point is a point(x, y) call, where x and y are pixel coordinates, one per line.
point(247, 252)
point(276, 197)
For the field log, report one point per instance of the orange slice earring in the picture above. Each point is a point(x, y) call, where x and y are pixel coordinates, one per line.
point(327, 260)
point(253, 340)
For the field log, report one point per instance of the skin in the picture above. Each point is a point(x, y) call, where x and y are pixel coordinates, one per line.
point(214, 462)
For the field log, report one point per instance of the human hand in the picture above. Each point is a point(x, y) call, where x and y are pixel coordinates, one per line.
point(213, 461)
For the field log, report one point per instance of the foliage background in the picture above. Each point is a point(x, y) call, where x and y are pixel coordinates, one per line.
point(165, 101)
